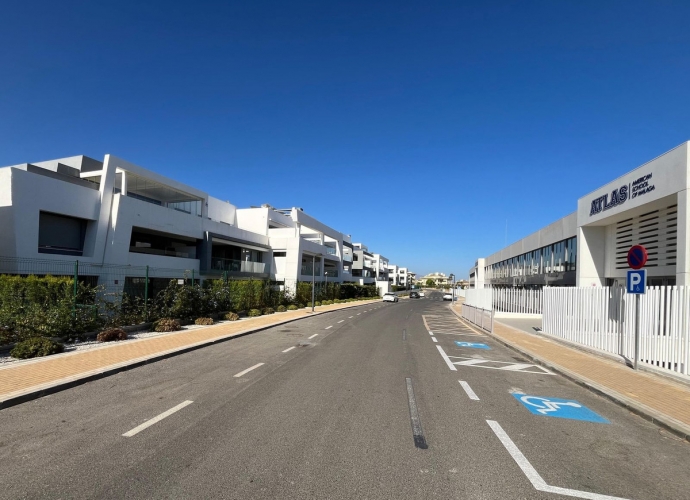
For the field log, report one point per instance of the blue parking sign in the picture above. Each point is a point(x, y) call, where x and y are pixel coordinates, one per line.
point(559, 408)
point(636, 281)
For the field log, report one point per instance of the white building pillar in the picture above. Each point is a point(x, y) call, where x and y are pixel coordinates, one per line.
point(683, 239)
point(591, 255)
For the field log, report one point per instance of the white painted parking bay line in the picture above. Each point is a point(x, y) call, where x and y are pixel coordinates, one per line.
point(532, 474)
point(430, 332)
point(350, 317)
point(358, 314)
point(328, 327)
point(468, 390)
point(160, 417)
point(341, 321)
point(434, 339)
point(313, 336)
point(248, 370)
point(446, 358)
point(289, 349)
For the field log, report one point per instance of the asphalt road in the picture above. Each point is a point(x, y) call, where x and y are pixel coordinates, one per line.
point(368, 407)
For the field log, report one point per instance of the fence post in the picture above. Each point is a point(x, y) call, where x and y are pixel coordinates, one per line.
point(146, 294)
point(74, 298)
point(192, 277)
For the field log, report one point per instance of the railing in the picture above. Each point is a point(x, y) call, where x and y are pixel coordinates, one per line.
point(481, 298)
point(332, 273)
point(331, 251)
point(604, 319)
point(241, 266)
point(516, 300)
point(483, 318)
point(308, 270)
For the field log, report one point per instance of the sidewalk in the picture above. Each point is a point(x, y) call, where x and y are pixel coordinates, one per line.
point(656, 398)
point(39, 377)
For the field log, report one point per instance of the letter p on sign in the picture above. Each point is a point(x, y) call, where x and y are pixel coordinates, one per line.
point(636, 281)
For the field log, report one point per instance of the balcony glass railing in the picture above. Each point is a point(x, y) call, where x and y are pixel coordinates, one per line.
point(241, 266)
point(332, 273)
point(307, 270)
point(331, 251)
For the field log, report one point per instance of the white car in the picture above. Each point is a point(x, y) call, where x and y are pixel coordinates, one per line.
point(448, 296)
point(390, 297)
point(421, 294)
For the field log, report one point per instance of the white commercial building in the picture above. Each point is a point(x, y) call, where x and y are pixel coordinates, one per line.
point(648, 206)
point(115, 213)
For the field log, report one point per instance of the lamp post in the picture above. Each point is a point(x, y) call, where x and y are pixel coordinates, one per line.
point(325, 273)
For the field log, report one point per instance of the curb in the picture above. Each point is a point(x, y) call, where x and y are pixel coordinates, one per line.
point(70, 382)
point(664, 421)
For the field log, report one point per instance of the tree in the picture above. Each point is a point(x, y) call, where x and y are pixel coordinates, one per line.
point(430, 282)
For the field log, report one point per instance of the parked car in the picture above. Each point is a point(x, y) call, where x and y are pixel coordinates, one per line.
point(390, 297)
point(448, 296)
point(421, 294)
point(414, 295)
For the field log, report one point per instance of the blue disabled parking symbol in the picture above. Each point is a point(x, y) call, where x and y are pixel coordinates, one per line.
point(559, 408)
point(473, 345)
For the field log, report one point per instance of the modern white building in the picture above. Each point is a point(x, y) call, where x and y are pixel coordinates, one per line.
point(115, 213)
point(398, 276)
point(648, 206)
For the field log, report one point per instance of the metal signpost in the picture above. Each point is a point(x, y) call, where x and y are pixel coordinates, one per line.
point(636, 284)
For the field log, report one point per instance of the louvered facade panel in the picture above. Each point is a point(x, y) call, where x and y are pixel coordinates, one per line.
point(655, 230)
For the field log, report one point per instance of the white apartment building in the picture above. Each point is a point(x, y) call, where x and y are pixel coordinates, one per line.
point(113, 212)
point(398, 276)
point(649, 206)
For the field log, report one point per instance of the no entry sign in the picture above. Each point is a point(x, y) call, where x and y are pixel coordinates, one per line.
point(637, 257)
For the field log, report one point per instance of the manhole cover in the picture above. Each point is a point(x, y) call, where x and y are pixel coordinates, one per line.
point(285, 330)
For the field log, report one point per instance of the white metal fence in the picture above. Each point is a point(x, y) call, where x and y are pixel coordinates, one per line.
point(604, 318)
point(483, 318)
point(480, 298)
point(515, 300)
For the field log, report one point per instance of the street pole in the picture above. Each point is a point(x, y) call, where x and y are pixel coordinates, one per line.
point(637, 330)
point(313, 279)
point(325, 273)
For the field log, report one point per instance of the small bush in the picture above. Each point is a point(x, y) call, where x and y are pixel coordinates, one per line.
point(301, 306)
point(281, 309)
point(167, 325)
point(317, 303)
point(111, 335)
point(36, 347)
point(292, 307)
point(253, 313)
point(231, 316)
point(337, 301)
point(268, 310)
point(203, 321)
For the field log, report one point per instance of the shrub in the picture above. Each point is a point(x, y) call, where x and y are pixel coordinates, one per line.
point(268, 310)
point(167, 325)
point(203, 321)
point(231, 316)
point(36, 347)
point(327, 302)
point(253, 313)
point(337, 301)
point(317, 303)
point(281, 309)
point(301, 306)
point(292, 307)
point(111, 335)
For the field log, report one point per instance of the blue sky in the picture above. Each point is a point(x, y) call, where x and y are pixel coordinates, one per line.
point(418, 127)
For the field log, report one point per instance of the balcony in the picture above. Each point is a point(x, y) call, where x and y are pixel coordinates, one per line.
point(238, 266)
point(331, 251)
point(332, 273)
point(307, 270)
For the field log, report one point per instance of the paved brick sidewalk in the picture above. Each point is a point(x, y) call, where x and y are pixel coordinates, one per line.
point(663, 400)
point(33, 378)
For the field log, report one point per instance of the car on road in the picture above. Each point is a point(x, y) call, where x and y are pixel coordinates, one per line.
point(414, 295)
point(390, 297)
point(448, 296)
point(421, 294)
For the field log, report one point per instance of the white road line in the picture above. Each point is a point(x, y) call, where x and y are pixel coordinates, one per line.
point(160, 417)
point(446, 358)
point(350, 317)
point(289, 349)
point(248, 370)
point(328, 327)
point(468, 390)
point(341, 321)
point(358, 314)
point(532, 474)
point(313, 336)
point(434, 339)
point(430, 332)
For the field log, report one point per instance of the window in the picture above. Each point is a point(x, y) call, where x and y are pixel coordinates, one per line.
point(157, 243)
point(280, 254)
point(61, 234)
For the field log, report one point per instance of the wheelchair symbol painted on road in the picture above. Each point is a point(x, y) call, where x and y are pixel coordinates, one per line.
point(559, 408)
point(473, 345)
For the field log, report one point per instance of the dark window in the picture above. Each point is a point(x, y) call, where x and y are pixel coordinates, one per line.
point(280, 254)
point(61, 234)
point(157, 243)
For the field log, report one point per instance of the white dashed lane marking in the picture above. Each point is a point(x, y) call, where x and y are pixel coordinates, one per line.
point(154, 420)
point(289, 349)
point(328, 327)
point(313, 336)
point(243, 372)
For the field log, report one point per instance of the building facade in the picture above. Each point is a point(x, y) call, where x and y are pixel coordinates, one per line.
point(648, 206)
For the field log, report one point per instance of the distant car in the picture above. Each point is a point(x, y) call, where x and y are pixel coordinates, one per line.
point(414, 295)
point(390, 297)
point(448, 296)
point(421, 294)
